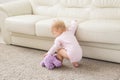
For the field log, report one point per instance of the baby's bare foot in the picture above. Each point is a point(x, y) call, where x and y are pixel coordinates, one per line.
point(75, 64)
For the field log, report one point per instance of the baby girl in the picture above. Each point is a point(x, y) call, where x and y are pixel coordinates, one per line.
point(66, 44)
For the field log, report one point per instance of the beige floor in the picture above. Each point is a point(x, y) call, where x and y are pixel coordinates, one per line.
point(19, 63)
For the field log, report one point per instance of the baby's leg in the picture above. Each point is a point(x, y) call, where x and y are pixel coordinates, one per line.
point(61, 54)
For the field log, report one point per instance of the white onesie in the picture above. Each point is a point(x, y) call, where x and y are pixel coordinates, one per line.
point(68, 41)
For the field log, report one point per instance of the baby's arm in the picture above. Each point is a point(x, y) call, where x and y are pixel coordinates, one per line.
point(73, 26)
point(55, 47)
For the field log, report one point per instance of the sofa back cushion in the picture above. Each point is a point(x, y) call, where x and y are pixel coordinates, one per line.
point(105, 13)
point(75, 3)
point(105, 9)
point(62, 8)
point(106, 3)
point(43, 2)
point(81, 9)
point(44, 7)
point(74, 9)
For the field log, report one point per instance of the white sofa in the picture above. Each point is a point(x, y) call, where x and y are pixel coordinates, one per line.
point(27, 23)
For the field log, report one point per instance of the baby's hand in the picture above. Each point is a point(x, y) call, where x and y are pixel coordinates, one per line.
point(75, 21)
point(45, 54)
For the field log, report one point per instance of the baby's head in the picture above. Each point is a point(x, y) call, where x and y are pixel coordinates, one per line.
point(58, 27)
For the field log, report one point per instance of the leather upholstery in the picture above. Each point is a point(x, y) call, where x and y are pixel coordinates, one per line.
point(27, 23)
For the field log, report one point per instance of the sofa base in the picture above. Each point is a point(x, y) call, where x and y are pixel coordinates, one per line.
point(45, 43)
point(31, 41)
point(101, 53)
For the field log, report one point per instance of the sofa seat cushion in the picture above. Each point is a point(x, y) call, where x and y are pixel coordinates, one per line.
point(23, 24)
point(43, 27)
point(103, 31)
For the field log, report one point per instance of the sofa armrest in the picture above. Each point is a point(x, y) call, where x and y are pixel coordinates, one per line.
point(20, 7)
point(14, 8)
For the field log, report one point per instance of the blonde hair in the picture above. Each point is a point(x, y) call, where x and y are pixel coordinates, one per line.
point(58, 25)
